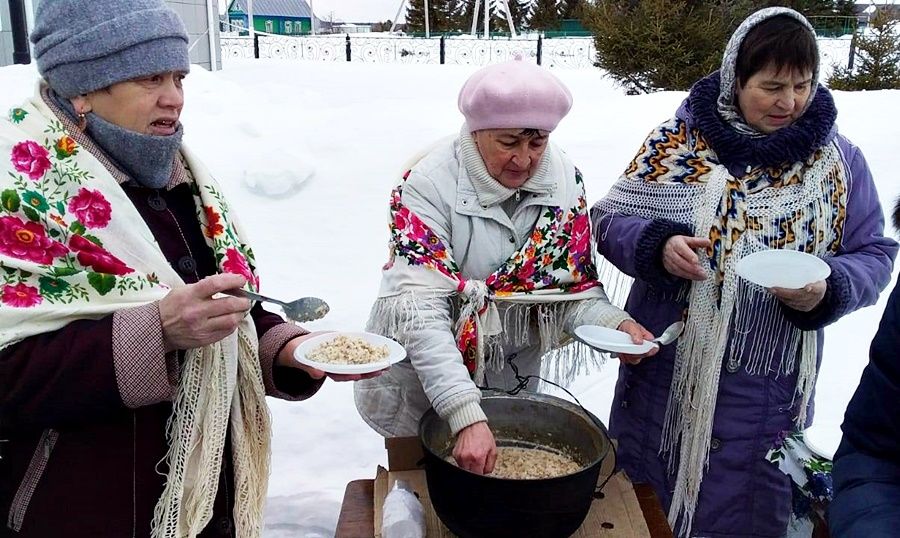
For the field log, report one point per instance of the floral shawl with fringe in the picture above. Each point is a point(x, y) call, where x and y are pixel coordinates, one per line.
point(554, 265)
point(73, 246)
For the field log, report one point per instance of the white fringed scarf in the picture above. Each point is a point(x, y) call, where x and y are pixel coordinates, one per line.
point(73, 246)
point(547, 278)
point(677, 177)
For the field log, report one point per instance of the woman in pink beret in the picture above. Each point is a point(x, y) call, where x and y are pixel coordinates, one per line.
point(491, 264)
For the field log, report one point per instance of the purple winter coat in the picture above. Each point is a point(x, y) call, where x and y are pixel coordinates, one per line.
point(742, 494)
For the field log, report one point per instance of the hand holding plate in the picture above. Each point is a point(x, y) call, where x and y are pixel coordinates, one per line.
point(804, 299)
point(638, 335)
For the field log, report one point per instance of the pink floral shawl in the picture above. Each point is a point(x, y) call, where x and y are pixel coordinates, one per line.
point(73, 246)
point(556, 260)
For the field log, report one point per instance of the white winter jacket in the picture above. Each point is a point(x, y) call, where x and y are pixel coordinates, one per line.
point(452, 192)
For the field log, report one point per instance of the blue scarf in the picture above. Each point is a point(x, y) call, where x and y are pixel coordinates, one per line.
point(794, 143)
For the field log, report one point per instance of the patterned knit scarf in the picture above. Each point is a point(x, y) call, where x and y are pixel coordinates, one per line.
point(73, 246)
point(801, 205)
point(553, 265)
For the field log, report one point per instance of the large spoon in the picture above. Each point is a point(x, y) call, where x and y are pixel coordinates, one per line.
point(301, 310)
point(669, 335)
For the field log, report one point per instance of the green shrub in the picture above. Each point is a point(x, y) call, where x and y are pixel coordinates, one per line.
point(876, 64)
point(650, 45)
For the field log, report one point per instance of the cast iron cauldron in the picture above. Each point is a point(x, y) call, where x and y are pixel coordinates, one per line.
point(475, 506)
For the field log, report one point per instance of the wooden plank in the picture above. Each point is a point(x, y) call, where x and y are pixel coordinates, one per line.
point(616, 514)
point(357, 519)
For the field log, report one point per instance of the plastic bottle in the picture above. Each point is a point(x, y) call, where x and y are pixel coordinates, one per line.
point(403, 515)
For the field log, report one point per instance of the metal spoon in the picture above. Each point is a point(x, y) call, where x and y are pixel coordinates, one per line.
point(669, 335)
point(301, 310)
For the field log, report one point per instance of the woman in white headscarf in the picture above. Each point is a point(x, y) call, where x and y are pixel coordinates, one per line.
point(751, 161)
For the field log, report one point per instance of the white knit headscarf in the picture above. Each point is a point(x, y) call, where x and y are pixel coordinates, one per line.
point(727, 102)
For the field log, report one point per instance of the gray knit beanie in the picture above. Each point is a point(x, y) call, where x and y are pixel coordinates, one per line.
point(86, 45)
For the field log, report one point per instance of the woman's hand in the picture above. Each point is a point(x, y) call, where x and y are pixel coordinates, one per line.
point(475, 449)
point(286, 359)
point(191, 318)
point(680, 256)
point(804, 299)
point(638, 334)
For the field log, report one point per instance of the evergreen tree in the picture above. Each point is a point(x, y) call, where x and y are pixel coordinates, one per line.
point(518, 10)
point(650, 45)
point(571, 9)
point(845, 10)
point(440, 17)
point(877, 60)
point(455, 10)
point(544, 15)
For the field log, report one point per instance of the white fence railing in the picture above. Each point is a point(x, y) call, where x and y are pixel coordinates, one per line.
point(563, 52)
point(557, 52)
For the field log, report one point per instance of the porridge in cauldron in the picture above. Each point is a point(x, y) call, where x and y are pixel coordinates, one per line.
point(530, 463)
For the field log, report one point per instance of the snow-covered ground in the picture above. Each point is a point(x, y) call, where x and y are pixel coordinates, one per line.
point(308, 153)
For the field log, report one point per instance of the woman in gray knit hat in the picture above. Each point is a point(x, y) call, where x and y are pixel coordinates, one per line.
point(132, 395)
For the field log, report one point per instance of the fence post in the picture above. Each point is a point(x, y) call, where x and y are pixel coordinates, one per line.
point(443, 51)
point(256, 46)
point(540, 49)
point(349, 51)
point(19, 25)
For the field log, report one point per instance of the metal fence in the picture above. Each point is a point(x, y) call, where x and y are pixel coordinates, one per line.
point(557, 52)
point(570, 52)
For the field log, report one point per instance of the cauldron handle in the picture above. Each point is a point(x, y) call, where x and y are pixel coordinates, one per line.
point(523, 383)
point(599, 491)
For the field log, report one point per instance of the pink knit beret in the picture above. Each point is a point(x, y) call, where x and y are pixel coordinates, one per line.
point(513, 95)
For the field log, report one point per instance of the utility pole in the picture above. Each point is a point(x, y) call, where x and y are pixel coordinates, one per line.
point(251, 28)
point(212, 21)
point(21, 50)
point(312, 18)
point(487, 19)
point(427, 21)
point(397, 16)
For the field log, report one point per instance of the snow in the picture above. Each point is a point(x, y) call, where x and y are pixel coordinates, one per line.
point(308, 152)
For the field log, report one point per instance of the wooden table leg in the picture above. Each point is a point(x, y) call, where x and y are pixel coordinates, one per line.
point(653, 513)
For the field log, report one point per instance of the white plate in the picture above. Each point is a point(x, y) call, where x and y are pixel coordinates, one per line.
point(823, 439)
point(782, 268)
point(606, 339)
point(397, 353)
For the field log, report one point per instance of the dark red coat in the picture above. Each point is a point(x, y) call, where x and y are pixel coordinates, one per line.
point(103, 474)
